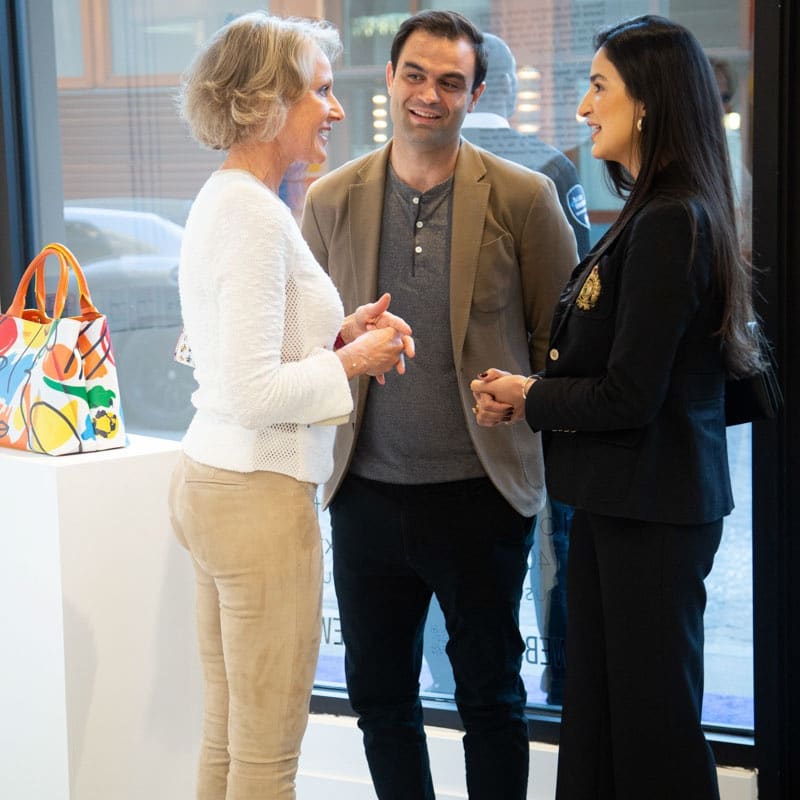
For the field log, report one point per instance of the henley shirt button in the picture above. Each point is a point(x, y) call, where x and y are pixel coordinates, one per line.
point(417, 249)
point(415, 200)
point(419, 224)
point(554, 354)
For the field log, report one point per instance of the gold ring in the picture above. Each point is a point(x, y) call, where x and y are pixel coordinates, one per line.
point(474, 409)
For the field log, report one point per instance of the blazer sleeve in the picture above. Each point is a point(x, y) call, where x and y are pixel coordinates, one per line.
point(664, 275)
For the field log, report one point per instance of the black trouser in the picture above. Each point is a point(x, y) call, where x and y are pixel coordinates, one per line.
point(634, 682)
point(394, 545)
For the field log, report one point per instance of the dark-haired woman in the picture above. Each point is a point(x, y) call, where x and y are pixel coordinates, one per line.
point(646, 330)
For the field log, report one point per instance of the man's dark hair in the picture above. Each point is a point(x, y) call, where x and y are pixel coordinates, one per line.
point(449, 25)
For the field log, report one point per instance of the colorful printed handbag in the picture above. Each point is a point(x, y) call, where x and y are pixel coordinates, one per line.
point(59, 392)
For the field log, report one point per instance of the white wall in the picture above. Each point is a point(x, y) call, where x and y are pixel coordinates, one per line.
point(100, 694)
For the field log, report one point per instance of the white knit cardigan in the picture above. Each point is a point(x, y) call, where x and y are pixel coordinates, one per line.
point(261, 316)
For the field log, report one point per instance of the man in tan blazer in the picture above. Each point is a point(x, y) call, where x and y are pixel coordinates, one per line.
point(474, 250)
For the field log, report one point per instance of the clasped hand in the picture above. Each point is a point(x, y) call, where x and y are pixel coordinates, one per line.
point(498, 398)
point(377, 340)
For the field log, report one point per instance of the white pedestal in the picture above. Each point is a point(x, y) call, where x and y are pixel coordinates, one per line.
point(100, 685)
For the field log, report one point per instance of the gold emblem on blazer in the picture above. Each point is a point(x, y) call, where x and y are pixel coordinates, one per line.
point(590, 291)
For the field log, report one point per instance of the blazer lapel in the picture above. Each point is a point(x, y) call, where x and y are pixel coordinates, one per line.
point(470, 200)
point(365, 213)
point(568, 293)
point(579, 275)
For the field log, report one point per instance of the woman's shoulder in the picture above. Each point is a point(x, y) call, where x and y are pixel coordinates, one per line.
point(244, 199)
point(234, 186)
point(670, 213)
point(674, 195)
point(669, 231)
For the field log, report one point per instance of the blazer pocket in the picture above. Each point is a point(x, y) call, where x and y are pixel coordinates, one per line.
point(629, 437)
point(594, 294)
point(497, 274)
point(611, 461)
point(591, 470)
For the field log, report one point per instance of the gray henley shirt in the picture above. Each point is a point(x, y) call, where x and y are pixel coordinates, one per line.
point(414, 430)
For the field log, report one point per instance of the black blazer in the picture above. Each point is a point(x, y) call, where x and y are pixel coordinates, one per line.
point(633, 389)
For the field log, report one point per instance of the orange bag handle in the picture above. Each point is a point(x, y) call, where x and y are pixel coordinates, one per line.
point(36, 272)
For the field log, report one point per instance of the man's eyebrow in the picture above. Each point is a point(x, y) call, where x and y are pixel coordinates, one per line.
point(451, 75)
point(412, 65)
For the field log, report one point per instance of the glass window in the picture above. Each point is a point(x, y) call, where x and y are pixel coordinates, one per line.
point(150, 38)
point(552, 45)
point(372, 25)
point(72, 47)
point(130, 172)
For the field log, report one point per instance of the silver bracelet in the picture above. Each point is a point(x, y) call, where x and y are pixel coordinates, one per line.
point(526, 386)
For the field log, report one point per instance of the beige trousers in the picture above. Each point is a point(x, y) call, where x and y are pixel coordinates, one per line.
point(255, 544)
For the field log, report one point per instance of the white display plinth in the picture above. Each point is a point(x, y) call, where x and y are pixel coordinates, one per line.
point(100, 684)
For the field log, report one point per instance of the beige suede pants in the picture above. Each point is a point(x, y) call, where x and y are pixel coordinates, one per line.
point(255, 544)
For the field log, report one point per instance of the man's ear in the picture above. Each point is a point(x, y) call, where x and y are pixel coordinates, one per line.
point(475, 95)
point(389, 76)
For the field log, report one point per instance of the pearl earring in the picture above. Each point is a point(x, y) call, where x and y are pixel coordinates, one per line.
point(639, 124)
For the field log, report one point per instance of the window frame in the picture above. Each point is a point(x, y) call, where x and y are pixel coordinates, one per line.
point(14, 222)
point(776, 472)
point(86, 79)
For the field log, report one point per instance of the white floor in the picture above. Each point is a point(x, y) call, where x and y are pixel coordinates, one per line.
point(332, 766)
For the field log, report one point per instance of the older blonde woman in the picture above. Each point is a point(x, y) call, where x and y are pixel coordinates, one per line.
point(263, 320)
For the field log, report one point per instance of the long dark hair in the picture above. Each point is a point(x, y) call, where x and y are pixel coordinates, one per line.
point(664, 68)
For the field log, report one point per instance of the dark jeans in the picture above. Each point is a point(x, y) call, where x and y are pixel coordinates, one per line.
point(548, 566)
point(553, 623)
point(634, 681)
point(393, 546)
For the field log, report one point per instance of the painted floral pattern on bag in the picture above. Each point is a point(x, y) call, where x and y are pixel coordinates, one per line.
point(59, 391)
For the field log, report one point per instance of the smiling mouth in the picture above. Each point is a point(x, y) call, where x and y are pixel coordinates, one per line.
point(427, 115)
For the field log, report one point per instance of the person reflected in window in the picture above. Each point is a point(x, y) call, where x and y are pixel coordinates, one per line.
point(632, 395)
point(727, 83)
point(474, 249)
point(262, 319)
point(488, 127)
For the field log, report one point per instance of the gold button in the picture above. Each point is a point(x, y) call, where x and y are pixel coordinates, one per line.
point(554, 355)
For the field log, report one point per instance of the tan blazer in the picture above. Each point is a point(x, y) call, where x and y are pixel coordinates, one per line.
point(511, 252)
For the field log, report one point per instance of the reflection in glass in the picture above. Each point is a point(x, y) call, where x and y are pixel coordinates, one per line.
point(160, 38)
point(70, 46)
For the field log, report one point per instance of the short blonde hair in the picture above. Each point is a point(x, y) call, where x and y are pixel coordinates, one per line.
point(242, 83)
